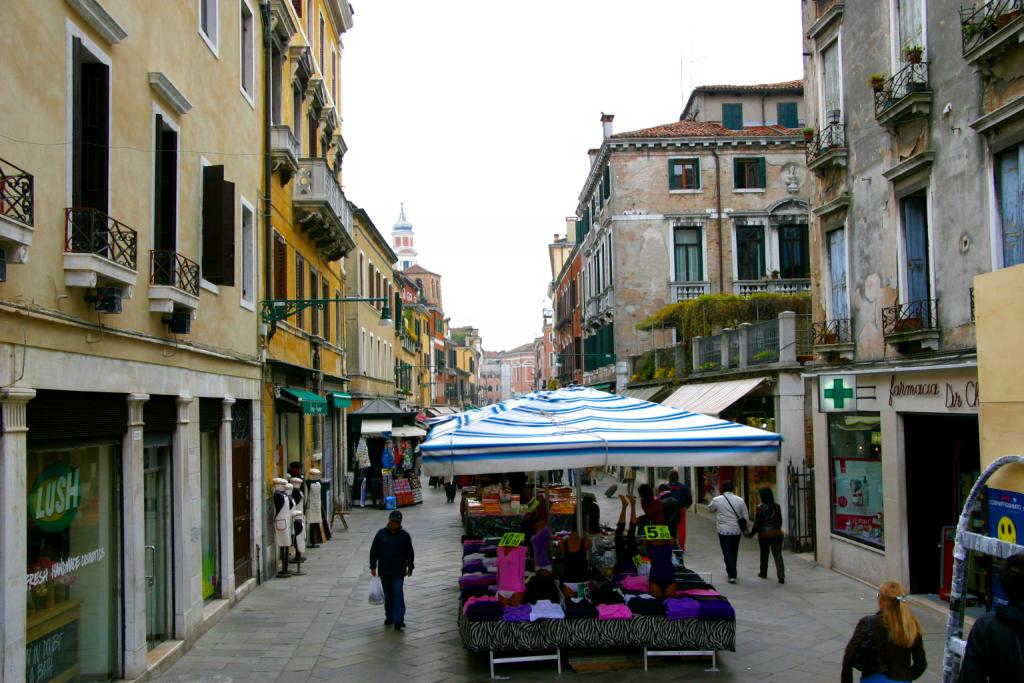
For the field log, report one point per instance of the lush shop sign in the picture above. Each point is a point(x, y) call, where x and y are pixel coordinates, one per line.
point(54, 497)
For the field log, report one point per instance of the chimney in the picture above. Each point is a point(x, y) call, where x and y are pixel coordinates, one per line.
point(606, 124)
point(555, 238)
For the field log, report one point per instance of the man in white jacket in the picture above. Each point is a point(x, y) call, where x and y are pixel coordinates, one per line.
point(729, 510)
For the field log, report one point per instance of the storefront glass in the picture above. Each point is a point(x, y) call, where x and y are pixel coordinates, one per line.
point(855, 451)
point(74, 545)
point(209, 482)
point(158, 546)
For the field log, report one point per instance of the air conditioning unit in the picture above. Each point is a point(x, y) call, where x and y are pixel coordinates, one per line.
point(106, 299)
point(180, 322)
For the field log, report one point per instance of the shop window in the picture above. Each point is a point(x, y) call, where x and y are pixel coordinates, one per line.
point(73, 557)
point(855, 453)
point(209, 483)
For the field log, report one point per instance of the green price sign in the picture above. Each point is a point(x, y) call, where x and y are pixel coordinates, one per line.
point(532, 505)
point(511, 540)
point(657, 533)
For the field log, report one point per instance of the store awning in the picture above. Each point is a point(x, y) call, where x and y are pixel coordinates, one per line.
point(604, 386)
point(642, 393)
point(408, 431)
point(374, 427)
point(309, 403)
point(340, 399)
point(711, 398)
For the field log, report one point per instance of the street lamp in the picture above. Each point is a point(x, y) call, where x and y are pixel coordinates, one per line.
point(274, 310)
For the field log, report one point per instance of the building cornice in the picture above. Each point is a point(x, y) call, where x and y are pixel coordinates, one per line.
point(100, 20)
point(163, 87)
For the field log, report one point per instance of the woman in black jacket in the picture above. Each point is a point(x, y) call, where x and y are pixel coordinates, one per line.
point(896, 635)
point(768, 527)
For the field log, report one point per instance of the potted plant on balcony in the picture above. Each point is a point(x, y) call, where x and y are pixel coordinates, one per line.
point(1006, 17)
point(913, 53)
point(775, 275)
point(765, 356)
point(876, 81)
point(808, 134)
point(910, 324)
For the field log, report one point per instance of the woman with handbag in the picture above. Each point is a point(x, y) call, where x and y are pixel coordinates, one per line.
point(886, 646)
point(768, 528)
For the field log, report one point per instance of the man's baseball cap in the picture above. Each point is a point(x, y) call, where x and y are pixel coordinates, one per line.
point(395, 516)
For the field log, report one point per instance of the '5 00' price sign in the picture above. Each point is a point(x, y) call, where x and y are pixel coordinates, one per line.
point(657, 533)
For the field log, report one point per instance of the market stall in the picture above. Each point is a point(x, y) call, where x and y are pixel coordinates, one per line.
point(381, 463)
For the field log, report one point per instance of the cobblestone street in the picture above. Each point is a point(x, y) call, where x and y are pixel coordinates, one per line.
point(320, 627)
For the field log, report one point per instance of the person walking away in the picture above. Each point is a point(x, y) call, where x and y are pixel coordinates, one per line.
point(896, 634)
point(391, 555)
point(682, 493)
point(729, 510)
point(995, 647)
point(768, 528)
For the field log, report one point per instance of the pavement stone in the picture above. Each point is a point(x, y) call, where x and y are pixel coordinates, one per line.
point(320, 627)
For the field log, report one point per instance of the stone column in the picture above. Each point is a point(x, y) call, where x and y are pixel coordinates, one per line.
point(787, 337)
point(227, 505)
point(695, 343)
point(13, 525)
point(723, 347)
point(133, 468)
point(744, 332)
point(188, 541)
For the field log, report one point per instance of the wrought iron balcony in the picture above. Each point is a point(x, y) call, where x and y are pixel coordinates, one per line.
point(833, 338)
point(763, 343)
point(98, 249)
point(984, 30)
point(906, 95)
point(174, 282)
point(321, 208)
point(827, 147)
point(683, 291)
point(776, 286)
point(914, 321)
point(284, 151)
point(17, 205)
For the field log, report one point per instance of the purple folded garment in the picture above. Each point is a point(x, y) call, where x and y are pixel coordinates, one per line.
point(472, 567)
point(470, 580)
point(716, 610)
point(703, 592)
point(518, 613)
point(681, 608)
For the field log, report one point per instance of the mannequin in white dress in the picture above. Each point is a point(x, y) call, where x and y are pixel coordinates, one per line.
point(282, 523)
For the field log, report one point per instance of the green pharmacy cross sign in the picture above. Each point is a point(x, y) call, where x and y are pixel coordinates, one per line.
point(837, 393)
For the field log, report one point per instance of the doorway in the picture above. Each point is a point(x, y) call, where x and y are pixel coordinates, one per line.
point(942, 462)
point(159, 539)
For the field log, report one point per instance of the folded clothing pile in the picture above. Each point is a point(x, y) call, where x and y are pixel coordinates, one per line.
point(541, 587)
point(483, 609)
point(475, 580)
point(477, 591)
point(546, 609)
point(681, 608)
point(716, 610)
point(646, 604)
point(517, 613)
point(605, 612)
point(634, 583)
point(580, 608)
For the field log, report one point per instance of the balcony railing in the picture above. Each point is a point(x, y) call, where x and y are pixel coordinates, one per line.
point(167, 267)
point(910, 79)
point(285, 148)
point(763, 343)
point(709, 353)
point(782, 341)
point(979, 24)
point(90, 231)
point(828, 139)
point(913, 316)
point(777, 286)
point(16, 193)
point(683, 291)
point(315, 190)
point(832, 332)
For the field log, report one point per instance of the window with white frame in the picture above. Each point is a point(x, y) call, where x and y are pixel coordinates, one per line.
point(248, 255)
point(208, 22)
point(909, 26)
point(689, 253)
point(838, 299)
point(831, 84)
point(246, 38)
point(750, 256)
point(684, 174)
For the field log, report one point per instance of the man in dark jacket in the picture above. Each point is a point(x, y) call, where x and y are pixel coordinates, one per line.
point(391, 554)
point(995, 648)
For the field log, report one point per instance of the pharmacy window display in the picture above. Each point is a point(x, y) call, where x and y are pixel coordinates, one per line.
point(855, 451)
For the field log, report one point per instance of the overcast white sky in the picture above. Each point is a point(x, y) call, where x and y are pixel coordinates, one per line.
point(478, 115)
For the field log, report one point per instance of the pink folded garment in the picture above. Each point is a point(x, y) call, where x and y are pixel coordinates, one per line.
point(473, 601)
point(635, 583)
point(699, 591)
point(613, 612)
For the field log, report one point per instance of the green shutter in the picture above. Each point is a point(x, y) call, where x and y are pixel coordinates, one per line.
point(607, 187)
point(579, 231)
point(732, 116)
point(737, 174)
point(787, 114)
point(761, 173)
point(696, 173)
point(675, 182)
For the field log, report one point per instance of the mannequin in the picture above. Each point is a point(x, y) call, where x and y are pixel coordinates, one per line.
point(298, 519)
point(282, 523)
point(314, 508)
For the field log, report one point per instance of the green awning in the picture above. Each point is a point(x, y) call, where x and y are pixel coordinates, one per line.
point(310, 403)
point(340, 399)
point(605, 386)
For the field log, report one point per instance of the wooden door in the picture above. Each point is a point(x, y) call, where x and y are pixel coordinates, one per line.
point(241, 474)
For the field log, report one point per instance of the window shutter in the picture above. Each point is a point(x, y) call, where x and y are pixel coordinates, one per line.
point(297, 4)
point(732, 116)
point(761, 173)
point(218, 227)
point(674, 181)
point(314, 318)
point(326, 289)
point(737, 174)
point(787, 114)
point(607, 188)
point(280, 268)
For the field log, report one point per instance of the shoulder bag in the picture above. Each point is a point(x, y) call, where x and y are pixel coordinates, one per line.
point(866, 654)
point(739, 520)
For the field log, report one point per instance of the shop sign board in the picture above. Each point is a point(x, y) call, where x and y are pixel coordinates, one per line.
point(837, 393)
point(956, 391)
point(1005, 522)
point(54, 497)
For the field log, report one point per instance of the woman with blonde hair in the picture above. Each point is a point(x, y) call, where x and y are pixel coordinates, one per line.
point(896, 650)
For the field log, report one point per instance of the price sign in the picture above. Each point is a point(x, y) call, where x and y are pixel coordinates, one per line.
point(657, 533)
point(511, 540)
point(532, 505)
point(638, 560)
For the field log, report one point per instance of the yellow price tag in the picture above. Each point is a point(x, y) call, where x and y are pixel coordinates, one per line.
point(638, 560)
point(657, 533)
point(532, 505)
point(511, 540)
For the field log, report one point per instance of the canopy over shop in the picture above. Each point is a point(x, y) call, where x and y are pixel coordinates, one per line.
point(370, 428)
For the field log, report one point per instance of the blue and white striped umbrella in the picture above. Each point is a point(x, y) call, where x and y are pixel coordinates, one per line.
point(449, 423)
point(582, 427)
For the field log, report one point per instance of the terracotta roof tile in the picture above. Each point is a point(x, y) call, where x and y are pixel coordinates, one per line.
point(756, 87)
point(707, 129)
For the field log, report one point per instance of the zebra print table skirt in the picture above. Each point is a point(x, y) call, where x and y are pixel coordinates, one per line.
point(640, 631)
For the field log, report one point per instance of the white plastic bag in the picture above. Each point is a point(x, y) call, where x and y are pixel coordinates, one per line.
point(376, 591)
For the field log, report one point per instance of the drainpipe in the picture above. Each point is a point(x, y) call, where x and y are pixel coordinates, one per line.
point(268, 231)
point(718, 204)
